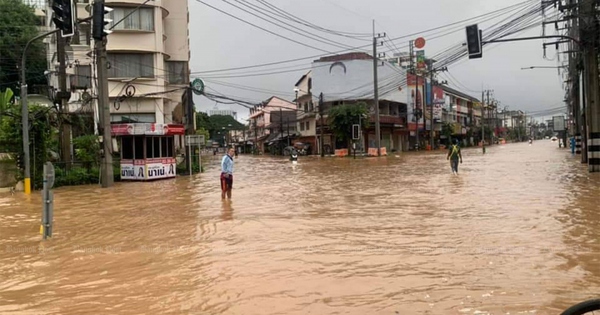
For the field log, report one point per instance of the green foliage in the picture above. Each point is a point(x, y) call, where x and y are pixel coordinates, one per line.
point(204, 132)
point(216, 123)
point(40, 132)
point(5, 98)
point(76, 176)
point(196, 168)
point(342, 117)
point(17, 26)
point(447, 130)
point(87, 150)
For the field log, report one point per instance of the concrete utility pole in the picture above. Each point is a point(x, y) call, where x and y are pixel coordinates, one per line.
point(64, 96)
point(321, 104)
point(482, 121)
point(431, 100)
point(376, 93)
point(106, 177)
point(589, 34)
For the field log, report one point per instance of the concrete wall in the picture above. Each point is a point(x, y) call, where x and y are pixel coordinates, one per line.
point(8, 170)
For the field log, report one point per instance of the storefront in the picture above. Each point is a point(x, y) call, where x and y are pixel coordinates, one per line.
point(147, 150)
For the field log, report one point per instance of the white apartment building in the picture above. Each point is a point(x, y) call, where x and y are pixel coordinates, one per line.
point(148, 54)
point(223, 112)
point(306, 112)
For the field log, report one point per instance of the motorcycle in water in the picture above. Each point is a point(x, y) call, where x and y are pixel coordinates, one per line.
point(294, 157)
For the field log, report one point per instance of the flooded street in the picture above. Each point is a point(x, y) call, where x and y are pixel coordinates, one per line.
point(514, 232)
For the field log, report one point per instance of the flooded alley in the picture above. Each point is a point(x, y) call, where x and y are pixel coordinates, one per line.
point(514, 232)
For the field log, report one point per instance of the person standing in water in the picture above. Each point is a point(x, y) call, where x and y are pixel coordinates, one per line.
point(454, 155)
point(227, 174)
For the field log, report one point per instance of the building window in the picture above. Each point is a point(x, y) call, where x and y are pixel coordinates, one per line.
point(82, 35)
point(178, 72)
point(131, 66)
point(82, 79)
point(133, 118)
point(308, 125)
point(141, 19)
point(302, 126)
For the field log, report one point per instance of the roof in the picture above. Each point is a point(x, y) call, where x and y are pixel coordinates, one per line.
point(458, 93)
point(302, 78)
point(347, 56)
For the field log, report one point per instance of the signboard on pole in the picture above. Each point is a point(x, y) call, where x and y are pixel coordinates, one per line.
point(198, 86)
point(195, 140)
point(559, 123)
point(420, 59)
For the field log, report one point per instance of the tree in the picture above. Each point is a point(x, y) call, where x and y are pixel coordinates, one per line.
point(5, 98)
point(203, 132)
point(342, 117)
point(17, 26)
point(41, 121)
point(447, 131)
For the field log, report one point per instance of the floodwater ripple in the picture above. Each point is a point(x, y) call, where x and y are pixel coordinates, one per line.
point(514, 232)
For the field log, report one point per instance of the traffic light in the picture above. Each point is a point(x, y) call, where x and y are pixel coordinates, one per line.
point(99, 21)
point(474, 44)
point(64, 17)
point(355, 132)
point(19, 161)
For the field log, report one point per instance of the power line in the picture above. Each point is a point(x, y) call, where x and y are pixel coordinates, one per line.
point(364, 46)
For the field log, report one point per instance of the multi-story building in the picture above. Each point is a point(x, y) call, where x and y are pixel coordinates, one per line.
point(462, 111)
point(260, 120)
point(345, 80)
point(148, 59)
point(306, 114)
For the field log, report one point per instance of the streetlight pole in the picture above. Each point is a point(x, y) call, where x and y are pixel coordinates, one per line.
point(25, 113)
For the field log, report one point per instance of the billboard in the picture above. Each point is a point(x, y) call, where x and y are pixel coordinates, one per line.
point(353, 80)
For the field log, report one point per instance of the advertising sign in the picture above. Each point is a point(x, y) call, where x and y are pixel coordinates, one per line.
point(420, 59)
point(127, 171)
point(160, 168)
point(133, 170)
point(149, 129)
point(559, 123)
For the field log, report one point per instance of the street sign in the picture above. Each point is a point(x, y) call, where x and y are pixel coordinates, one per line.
point(558, 123)
point(195, 140)
point(49, 174)
point(198, 86)
point(420, 42)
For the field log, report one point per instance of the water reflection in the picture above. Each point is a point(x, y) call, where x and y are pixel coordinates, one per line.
point(227, 210)
point(513, 232)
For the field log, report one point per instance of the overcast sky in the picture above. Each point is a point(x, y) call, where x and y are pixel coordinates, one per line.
point(219, 41)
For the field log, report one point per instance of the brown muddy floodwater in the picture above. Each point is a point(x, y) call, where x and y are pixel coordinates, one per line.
point(515, 232)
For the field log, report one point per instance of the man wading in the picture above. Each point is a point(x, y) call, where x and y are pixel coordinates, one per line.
point(227, 174)
point(453, 156)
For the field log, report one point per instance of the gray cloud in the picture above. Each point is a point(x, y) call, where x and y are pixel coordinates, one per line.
point(219, 41)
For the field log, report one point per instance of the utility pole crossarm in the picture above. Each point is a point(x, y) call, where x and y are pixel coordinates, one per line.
point(531, 38)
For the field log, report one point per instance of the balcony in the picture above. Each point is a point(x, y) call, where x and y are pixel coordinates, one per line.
point(391, 120)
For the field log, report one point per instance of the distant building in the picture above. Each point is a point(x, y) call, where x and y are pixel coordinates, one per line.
point(223, 112)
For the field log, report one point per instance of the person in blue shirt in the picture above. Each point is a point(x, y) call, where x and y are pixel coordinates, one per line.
point(227, 174)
